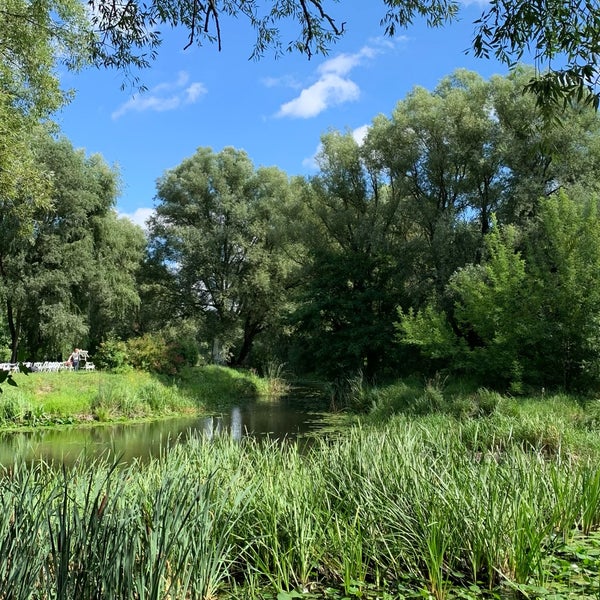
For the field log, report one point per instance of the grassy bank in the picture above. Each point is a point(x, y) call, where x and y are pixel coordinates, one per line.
point(429, 506)
point(46, 399)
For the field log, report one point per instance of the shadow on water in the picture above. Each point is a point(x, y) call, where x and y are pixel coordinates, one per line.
point(288, 418)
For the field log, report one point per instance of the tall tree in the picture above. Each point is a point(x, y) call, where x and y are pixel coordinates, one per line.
point(399, 213)
point(563, 254)
point(562, 35)
point(110, 296)
point(524, 317)
point(352, 234)
point(441, 152)
point(34, 38)
point(50, 279)
point(471, 148)
point(214, 248)
point(537, 157)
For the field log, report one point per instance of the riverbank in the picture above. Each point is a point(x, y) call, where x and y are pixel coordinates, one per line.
point(428, 506)
point(93, 397)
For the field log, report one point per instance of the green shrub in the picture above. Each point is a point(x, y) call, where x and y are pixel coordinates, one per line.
point(116, 399)
point(156, 353)
point(148, 353)
point(104, 399)
point(111, 355)
point(462, 407)
point(540, 434)
point(218, 385)
point(130, 405)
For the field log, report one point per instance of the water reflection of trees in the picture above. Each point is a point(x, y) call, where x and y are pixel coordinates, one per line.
point(143, 440)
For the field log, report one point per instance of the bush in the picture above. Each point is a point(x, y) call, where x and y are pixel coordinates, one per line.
point(111, 355)
point(156, 353)
point(149, 353)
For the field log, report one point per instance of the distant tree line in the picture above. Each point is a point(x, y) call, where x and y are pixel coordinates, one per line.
point(461, 235)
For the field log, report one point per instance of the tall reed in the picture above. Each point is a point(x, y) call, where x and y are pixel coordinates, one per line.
point(433, 504)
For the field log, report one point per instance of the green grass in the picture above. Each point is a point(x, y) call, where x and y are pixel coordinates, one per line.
point(469, 496)
point(45, 399)
point(412, 508)
point(218, 385)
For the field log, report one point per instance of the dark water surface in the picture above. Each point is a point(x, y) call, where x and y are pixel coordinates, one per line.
point(288, 418)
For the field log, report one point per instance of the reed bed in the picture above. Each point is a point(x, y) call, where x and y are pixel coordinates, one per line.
point(414, 508)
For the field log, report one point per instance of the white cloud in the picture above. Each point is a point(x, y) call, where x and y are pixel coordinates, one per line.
point(285, 81)
point(193, 92)
point(344, 63)
point(163, 97)
point(332, 88)
point(167, 86)
point(360, 133)
point(139, 216)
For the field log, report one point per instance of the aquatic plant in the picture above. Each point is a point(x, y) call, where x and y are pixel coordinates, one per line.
point(423, 506)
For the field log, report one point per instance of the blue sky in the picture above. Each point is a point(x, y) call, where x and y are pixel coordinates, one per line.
point(274, 109)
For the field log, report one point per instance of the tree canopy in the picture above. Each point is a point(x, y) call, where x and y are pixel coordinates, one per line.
point(460, 235)
point(217, 259)
point(68, 278)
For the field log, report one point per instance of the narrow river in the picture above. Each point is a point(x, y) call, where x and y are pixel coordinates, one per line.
point(285, 418)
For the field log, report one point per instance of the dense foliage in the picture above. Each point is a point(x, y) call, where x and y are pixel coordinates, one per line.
point(67, 276)
point(459, 236)
point(213, 250)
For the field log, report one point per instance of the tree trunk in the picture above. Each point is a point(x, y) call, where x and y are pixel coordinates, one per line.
point(14, 327)
point(251, 330)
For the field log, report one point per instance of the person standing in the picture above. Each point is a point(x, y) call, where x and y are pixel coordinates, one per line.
point(74, 359)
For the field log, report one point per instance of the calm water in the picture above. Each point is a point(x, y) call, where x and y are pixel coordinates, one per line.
point(287, 418)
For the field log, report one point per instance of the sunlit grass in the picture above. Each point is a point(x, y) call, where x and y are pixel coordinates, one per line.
point(70, 397)
point(467, 496)
point(213, 384)
point(412, 508)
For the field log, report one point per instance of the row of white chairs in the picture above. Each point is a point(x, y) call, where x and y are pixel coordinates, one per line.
point(46, 366)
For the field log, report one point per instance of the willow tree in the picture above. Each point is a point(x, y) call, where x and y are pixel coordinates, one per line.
point(215, 255)
point(71, 281)
point(349, 222)
point(35, 38)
